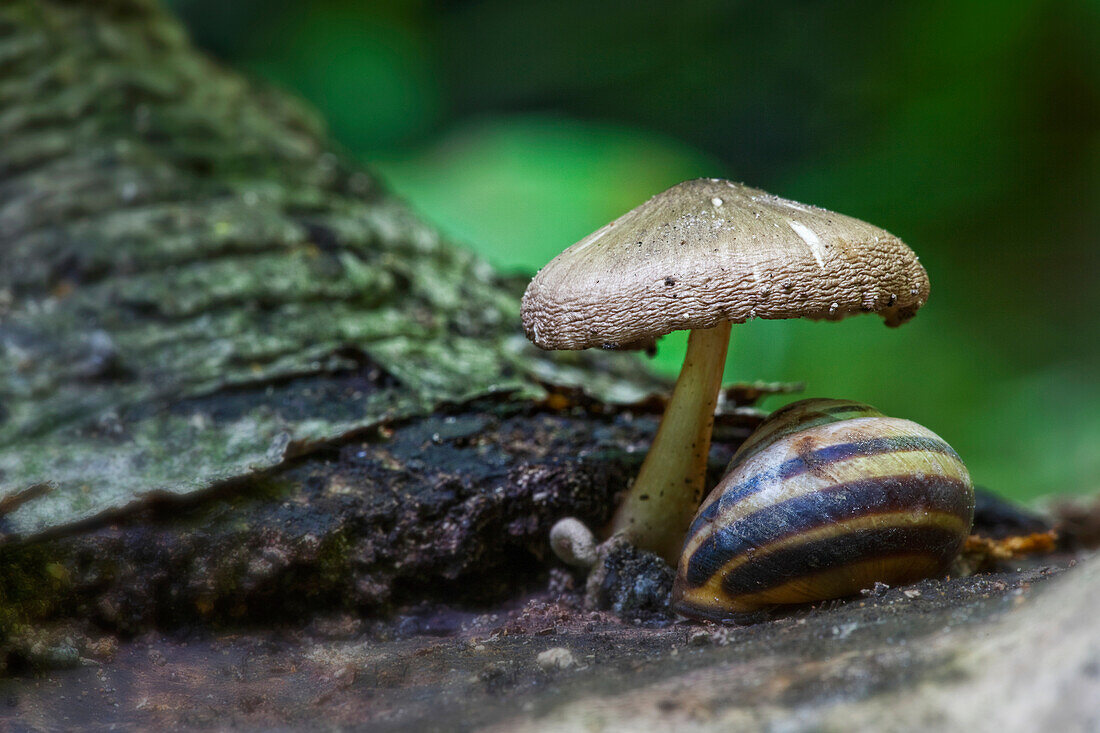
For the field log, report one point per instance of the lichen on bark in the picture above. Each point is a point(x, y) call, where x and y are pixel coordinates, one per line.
point(183, 251)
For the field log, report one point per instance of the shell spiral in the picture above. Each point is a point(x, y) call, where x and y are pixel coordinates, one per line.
point(825, 498)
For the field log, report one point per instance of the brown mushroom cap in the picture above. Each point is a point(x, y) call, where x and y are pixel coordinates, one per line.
point(711, 250)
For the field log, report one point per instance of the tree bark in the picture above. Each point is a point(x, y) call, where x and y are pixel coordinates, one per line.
point(181, 251)
point(225, 352)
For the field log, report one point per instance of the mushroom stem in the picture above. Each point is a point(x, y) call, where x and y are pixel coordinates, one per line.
point(666, 494)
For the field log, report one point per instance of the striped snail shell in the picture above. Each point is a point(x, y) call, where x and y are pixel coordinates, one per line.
point(825, 498)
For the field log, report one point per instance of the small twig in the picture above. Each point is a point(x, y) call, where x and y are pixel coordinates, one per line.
point(11, 502)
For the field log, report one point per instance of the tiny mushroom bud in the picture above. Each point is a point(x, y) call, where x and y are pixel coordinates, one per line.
point(573, 543)
point(703, 255)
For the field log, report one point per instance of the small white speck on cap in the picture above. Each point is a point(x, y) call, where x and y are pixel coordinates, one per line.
point(716, 201)
point(809, 236)
point(792, 205)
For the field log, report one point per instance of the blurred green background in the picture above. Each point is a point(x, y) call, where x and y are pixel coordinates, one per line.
point(971, 130)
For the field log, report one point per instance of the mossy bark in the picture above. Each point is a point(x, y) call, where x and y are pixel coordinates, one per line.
point(195, 285)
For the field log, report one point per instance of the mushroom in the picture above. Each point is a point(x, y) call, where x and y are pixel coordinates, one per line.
point(703, 255)
point(573, 543)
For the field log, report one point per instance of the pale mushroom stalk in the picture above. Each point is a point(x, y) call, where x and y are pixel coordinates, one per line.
point(669, 487)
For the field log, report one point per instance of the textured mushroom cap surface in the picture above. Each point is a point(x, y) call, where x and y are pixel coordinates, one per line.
point(711, 250)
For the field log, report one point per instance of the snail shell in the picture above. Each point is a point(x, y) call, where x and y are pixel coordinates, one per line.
point(825, 498)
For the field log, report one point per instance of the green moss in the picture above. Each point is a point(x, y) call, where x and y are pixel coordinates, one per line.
point(333, 558)
point(33, 585)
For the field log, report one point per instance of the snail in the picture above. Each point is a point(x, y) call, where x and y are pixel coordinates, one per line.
point(825, 498)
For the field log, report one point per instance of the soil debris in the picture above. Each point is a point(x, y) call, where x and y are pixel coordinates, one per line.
point(486, 669)
point(556, 658)
point(633, 584)
point(986, 553)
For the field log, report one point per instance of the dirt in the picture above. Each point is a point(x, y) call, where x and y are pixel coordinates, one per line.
point(447, 669)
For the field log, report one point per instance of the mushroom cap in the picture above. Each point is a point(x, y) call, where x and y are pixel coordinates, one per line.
point(711, 250)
